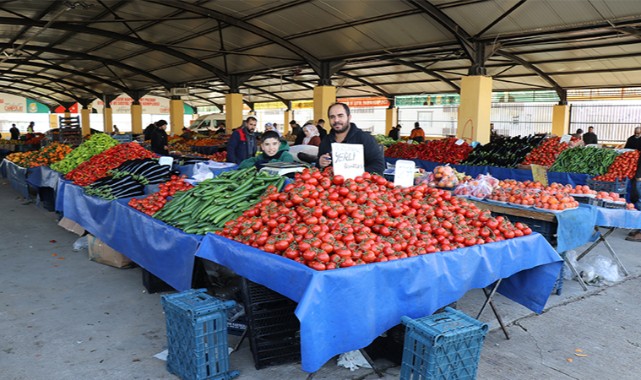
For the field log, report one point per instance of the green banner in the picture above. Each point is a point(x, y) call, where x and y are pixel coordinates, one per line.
point(36, 107)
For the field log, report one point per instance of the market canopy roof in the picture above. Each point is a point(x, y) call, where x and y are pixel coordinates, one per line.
point(60, 52)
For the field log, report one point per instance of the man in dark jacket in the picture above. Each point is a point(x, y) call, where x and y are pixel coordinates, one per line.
point(149, 130)
point(590, 137)
point(634, 141)
point(344, 131)
point(322, 132)
point(15, 132)
point(159, 139)
point(242, 143)
point(395, 132)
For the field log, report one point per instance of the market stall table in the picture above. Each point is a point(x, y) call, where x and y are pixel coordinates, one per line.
point(346, 309)
point(502, 173)
point(565, 230)
point(17, 177)
point(164, 251)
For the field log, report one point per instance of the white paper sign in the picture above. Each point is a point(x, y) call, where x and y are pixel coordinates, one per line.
point(459, 142)
point(404, 173)
point(348, 159)
point(565, 138)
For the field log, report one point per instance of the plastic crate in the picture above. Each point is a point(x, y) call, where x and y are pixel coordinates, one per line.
point(613, 205)
point(588, 200)
point(272, 327)
point(618, 186)
point(442, 346)
point(197, 336)
point(390, 344)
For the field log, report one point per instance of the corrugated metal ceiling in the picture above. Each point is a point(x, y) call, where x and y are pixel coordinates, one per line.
point(67, 51)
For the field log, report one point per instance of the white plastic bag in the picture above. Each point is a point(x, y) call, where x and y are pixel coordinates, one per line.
point(202, 172)
point(594, 270)
point(81, 243)
point(352, 360)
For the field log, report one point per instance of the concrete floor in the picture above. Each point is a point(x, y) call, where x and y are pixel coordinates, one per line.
point(63, 316)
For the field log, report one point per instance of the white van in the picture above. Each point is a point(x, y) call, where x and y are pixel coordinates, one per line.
point(207, 123)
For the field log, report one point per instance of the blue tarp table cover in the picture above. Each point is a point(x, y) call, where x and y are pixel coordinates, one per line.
point(607, 217)
point(503, 173)
point(17, 177)
point(576, 227)
point(346, 309)
point(60, 193)
point(43, 176)
point(163, 250)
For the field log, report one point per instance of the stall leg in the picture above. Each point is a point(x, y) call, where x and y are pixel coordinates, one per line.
point(603, 238)
point(575, 272)
point(489, 294)
point(371, 362)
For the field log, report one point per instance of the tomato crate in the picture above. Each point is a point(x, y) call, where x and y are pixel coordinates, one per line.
point(594, 201)
point(272, 327)
point(442, 346)
point(618, 186)
point(197, 335)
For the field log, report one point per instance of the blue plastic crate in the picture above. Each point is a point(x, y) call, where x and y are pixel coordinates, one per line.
point(442, 346)
point(619, 186)
point(197, 336)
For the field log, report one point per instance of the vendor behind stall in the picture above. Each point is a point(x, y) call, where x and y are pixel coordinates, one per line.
point(272, 150)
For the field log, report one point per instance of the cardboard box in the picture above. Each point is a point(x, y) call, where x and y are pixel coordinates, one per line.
point(102, 253)
point(71, 226)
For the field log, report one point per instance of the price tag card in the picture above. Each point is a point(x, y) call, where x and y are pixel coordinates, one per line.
point(459, 142)
point(540, 174)
point(565, 138)
point(348, 159)
point(404, 173)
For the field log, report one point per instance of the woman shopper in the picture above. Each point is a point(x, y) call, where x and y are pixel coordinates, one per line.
point(312, 137)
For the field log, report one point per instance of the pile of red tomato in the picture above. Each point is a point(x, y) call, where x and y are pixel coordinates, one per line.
point(546, 153)
point(156, 201)
point(624, 166)
point(326, 222)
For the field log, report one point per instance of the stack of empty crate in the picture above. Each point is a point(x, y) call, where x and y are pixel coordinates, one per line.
point(197, 335)
point(273, 329)
point(442, 346)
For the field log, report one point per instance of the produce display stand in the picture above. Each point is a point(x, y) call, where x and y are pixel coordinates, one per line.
point(346, 309)
point(566, 230)
point(164, 251)
point(502, 173)
point(45, 180)
point(17, 177)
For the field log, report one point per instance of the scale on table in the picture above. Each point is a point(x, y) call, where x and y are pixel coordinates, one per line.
point(283, 168)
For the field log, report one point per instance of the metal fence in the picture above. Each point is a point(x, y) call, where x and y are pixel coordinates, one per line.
point(514, 119)
point(611, 122)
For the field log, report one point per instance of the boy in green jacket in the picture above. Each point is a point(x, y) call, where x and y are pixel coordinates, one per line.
point(273, 150)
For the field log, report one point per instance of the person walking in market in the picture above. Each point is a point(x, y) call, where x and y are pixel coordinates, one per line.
point(272, 150)
point(159, 139)
point(590, 137)
point(149, 130)
point(242, 143)
point(417, 134)
point(344, 131)
point(30, 127)
point(320, 126)
point(15, 132)
point(395, 132)
point(634, 142)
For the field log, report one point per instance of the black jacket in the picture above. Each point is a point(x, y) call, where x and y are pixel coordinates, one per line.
point(633, 143)
point(393, 133)
point(159, 141)
point(15, 133)
point(374, 158)
point(590, 138)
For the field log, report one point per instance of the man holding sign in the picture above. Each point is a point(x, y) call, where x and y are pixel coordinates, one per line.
point(345, 132)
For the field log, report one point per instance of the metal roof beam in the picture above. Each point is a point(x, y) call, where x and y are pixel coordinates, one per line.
point(206, 12)
point(39, 85)
point(559, 90)
point(429, 72)
point(90, 57)
point(9, 74)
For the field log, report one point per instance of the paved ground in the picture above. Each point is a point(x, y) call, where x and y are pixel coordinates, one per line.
point(65, 317)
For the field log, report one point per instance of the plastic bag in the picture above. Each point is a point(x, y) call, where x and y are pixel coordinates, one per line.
point(202, 172)
point(81, 243)
point(594, 270)
point(352, 360)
